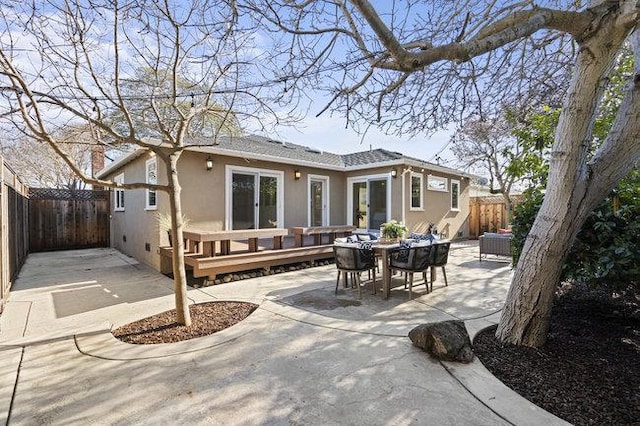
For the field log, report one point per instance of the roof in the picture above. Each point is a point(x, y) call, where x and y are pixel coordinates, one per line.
point(262, 148)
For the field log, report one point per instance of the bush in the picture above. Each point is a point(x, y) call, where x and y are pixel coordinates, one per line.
point(606, 250)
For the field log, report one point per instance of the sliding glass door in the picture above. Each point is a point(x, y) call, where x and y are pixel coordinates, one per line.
point(368, 201)
point(255, 197)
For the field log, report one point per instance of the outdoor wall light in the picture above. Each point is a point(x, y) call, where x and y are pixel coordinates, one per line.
point(297, 175)
point(394, 173)
point(209, 163)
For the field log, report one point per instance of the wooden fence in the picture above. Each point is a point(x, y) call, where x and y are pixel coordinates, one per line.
point(488, 214)
point(14, 229)
point(61, 219)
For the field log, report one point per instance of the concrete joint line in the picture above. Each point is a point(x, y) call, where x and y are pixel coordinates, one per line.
point(15, 387)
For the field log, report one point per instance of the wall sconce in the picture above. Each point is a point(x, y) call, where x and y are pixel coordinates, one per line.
point(394, 173)
point(209, 163)
point(297, 175)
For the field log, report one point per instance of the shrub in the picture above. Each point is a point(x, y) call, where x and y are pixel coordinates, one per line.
point(606, 250)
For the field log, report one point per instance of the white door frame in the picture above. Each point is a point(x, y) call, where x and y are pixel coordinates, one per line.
point(230, 169)
point(367, 179)
point(325, 198)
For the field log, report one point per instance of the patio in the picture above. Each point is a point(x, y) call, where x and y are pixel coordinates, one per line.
point(305, 356)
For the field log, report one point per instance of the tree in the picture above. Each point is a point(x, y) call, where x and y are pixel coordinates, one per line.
point(486, 145)
point(127, 71)
point(411, 66)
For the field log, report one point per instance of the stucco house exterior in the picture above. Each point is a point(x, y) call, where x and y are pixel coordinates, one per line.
point(256, 182)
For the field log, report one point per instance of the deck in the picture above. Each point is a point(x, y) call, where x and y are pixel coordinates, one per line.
point(210, 253)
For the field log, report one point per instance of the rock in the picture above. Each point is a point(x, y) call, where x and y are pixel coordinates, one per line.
point(218, 281)
point(227, 278)
point(447, 340)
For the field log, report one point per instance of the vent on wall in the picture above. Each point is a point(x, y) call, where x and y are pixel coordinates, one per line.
point(124, 238)
point(147, 246)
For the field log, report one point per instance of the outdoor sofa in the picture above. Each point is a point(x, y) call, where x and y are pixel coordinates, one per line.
point(498, 244)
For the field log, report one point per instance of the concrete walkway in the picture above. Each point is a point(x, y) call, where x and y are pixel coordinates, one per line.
point(305, 356)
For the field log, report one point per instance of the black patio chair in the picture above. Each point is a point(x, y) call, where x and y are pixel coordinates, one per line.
point(440, 258)
point(410, 261)
point(352, 261)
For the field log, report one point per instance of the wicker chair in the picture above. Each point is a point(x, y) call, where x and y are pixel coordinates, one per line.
point(412, 260)
point(440, 258)
point(351, 260)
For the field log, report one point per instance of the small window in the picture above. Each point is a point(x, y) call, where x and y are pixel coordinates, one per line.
point(436, 183)
point(152, 178)
point(455, 195)
point(118, 194)
point(416, 191)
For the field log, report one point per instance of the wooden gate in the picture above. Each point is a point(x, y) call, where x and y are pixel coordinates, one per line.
point(61, 219)
point(14, 238)
point(489, 213)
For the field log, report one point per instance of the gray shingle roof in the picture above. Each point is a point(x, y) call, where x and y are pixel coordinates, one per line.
point(261, 146)
point(278, 149)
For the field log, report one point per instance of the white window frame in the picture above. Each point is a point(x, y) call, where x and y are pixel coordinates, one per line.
point(411, 206)
point(118, 194)
point(325, 196)
point(457, 185)
point(148, 192)
point(437, 183)
point(230, 169)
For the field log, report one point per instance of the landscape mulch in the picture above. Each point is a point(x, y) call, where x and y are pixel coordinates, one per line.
point(206, 318)
point(588, 372)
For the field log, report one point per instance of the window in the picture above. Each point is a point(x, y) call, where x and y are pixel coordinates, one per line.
point(455, 195)
point(152, 178)
point(436, 183)
point(118, 194)
point(416, 191)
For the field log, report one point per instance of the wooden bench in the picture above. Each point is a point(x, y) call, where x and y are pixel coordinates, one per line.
point(210, 266)
point(203, 242)
point(299, 233)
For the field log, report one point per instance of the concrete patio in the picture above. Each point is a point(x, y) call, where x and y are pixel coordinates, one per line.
point(305, 356)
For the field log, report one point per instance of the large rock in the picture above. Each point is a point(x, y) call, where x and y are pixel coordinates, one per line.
point(447, 340)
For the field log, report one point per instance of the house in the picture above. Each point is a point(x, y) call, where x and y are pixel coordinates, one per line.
point(253, 182)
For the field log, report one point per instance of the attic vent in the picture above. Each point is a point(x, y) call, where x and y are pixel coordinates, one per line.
point(314, 151)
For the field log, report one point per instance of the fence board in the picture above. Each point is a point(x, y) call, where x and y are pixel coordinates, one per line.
point(64, 219)
point(489, 213)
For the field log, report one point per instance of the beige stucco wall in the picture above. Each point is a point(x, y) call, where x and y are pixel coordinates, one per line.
point(204, 192)
point(135, 227)
point(436, 204)
point(437, 207)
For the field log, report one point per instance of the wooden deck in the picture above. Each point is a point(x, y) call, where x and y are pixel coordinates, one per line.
point(318, 232)
point(246, 250)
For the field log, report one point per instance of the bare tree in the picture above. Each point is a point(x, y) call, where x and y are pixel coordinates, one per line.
point(78, 62)
point(416, 65)
point(480, 145)
point(40, 166)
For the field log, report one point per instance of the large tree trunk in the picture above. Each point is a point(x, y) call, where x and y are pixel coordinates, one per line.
point(574, 188)
point(183, 315)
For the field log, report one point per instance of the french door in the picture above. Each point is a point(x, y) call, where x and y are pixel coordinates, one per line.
point(318, 201)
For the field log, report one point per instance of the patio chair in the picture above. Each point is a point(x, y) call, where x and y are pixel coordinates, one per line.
point(412, 260)
point(352, 260)
point(440, 258)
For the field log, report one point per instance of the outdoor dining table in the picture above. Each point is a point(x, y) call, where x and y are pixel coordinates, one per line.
point(385, 249)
